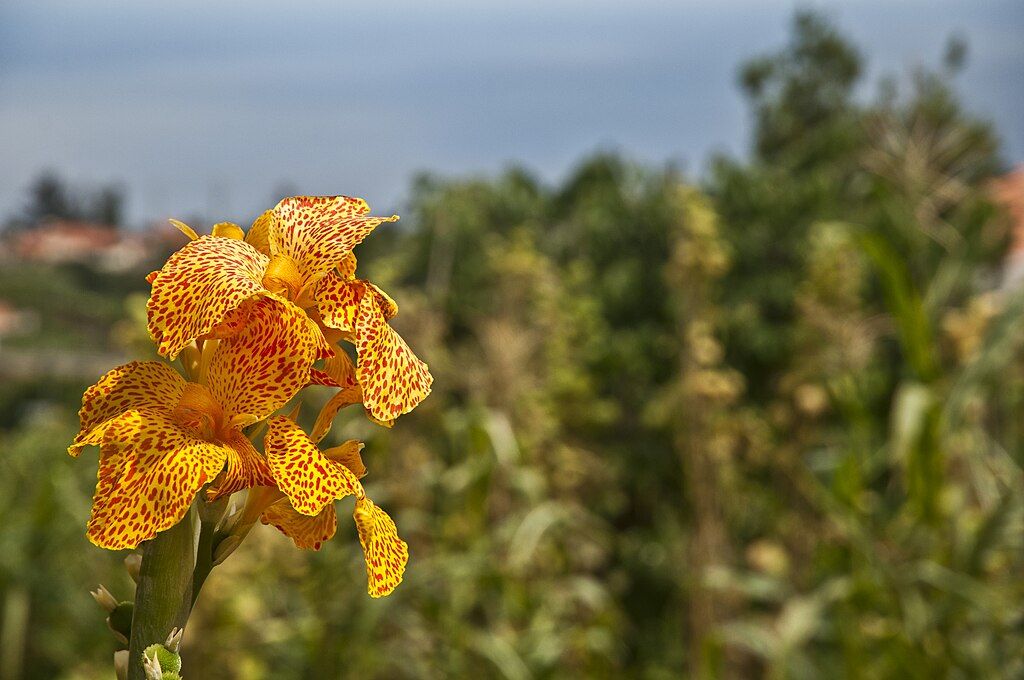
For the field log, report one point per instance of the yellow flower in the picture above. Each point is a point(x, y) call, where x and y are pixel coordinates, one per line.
point(300, 251)
point(162, 438)
point(300, 504)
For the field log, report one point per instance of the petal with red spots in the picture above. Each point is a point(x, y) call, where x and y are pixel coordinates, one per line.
point(308, 533)
point(388, 307)
point(321, 378)
point(338, 371)
point(233, 322)
point(318, 232)
point(246, 468)
point(347, 267)
point(260, 369)
point(198, 286)
point(386, 554)
point(309, 479)
point(337, 300)
point(139, 384)
point(394, 380)
point(150, 470)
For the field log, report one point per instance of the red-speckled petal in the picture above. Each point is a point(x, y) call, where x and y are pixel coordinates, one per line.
point(347, 267)
point(321, 378)
point(338, 371)
point(323, 348)
point(393, 379)
point(261, 368)
point(150, 470)
point(309, 479)
point(318, 232)
point(337, 300)
point(308, 533)
point(198, 286)
point(136, 385)
point(388, 307)
point(233, 322)
point(386, 554)
point(246, 468)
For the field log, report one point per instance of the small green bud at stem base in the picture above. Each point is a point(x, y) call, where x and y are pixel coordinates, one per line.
point(168, 660)
point(120, 620)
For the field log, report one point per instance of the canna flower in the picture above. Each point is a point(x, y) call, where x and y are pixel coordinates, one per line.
point(301, 252)
point(162, 438)
point(300, 504)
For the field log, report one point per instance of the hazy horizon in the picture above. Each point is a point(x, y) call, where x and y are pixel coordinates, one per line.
point(203, 110)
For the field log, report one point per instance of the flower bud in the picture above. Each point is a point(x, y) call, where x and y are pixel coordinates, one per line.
point(121, 664)
point(120, 621)
point(173, 641)
point(104, 598)
point(168, 661)
point(228, 230)
point(152, 667)
point(133, 563)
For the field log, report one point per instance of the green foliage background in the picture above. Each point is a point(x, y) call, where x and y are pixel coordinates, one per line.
point(764, 425)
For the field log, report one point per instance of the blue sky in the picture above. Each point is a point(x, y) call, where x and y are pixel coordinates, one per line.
point(203, 107)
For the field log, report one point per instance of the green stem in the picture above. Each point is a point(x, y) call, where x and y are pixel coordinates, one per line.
point(204, 558)
point(210, 516)
point(163, 597)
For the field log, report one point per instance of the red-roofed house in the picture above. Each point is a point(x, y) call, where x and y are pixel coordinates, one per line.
point(66, 241)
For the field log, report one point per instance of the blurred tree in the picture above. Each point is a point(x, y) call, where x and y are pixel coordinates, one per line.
point(49, 198)
point(107, 206)
point(807, 136)
point(802, 96)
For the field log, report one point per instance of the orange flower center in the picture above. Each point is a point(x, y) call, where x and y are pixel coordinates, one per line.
point(282, 276)
point(197, 408)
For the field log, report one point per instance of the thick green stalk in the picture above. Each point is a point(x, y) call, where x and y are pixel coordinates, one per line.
point(163, 597)
point(210, 516)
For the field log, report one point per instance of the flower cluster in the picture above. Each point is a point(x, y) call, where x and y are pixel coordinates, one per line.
point(252, 318)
